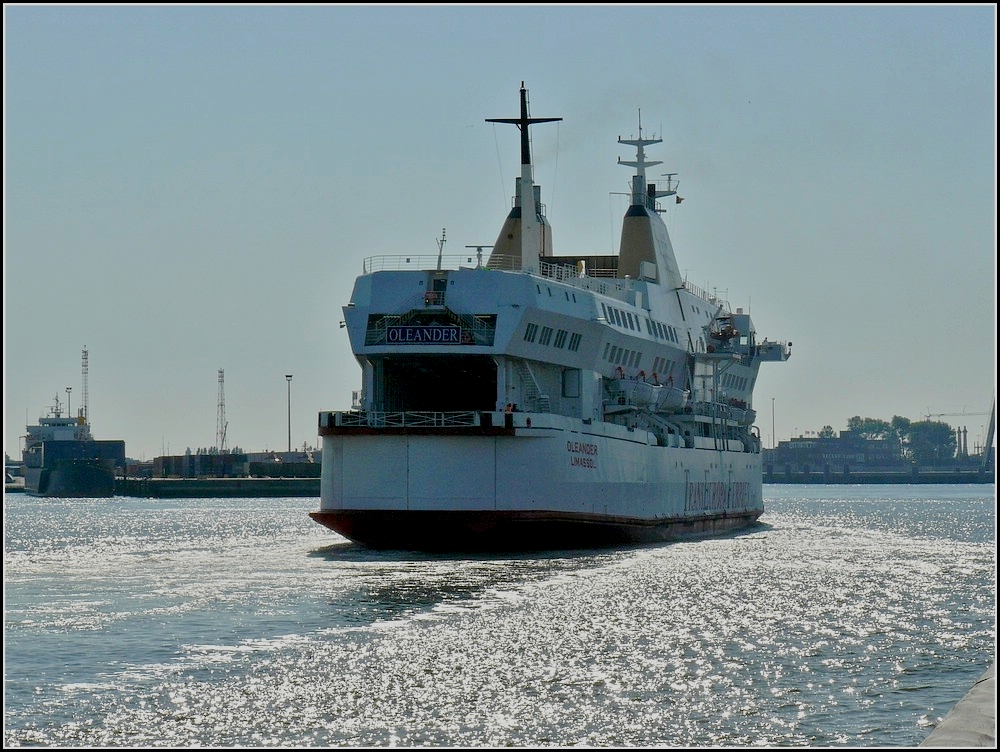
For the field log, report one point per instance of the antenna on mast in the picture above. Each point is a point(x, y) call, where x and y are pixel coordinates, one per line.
point(530, 245)
point(440, 247)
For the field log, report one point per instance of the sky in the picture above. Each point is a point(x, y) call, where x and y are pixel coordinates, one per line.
point(195, 188)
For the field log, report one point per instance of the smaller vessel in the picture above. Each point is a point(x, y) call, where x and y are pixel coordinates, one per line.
point(62, 458)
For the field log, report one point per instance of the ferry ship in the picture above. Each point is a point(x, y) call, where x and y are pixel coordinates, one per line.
point(529, 401)
point(62, 458)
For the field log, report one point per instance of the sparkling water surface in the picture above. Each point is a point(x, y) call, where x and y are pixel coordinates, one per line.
point(851, 616)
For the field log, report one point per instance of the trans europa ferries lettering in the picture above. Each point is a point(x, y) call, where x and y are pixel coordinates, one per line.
point(707, 496)
point(417, 335)
point(582, 454)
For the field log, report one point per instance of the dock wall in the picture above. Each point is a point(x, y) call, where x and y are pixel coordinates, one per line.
point(973, 721)
point(193, 488)
point(830, 475)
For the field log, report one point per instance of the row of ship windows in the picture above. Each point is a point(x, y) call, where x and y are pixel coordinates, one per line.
point(621, 356)
point(663, 367)
point(626, 320)
point(545, 337)
point(734, 382)
point(565, 292)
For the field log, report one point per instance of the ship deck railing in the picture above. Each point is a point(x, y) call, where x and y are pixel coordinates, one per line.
point(405, 419)
point(604, 281)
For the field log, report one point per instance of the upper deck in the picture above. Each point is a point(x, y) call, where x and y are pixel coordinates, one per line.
point(597, 274)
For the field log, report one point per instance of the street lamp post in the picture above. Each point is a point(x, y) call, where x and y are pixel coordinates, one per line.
point(288, 378)
point(774, 436)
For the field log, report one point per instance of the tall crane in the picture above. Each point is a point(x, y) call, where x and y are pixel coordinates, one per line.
point(988, 453)
point(221, 425)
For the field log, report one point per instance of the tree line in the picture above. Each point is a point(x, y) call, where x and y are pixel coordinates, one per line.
point(925, 442)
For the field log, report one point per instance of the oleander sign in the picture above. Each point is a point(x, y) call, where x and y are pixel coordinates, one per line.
point(423, 335)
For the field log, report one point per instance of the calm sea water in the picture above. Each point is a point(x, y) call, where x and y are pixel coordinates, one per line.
point(853, 616)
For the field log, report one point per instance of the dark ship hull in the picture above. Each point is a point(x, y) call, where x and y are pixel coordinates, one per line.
point(72, 478)
point(437, 531)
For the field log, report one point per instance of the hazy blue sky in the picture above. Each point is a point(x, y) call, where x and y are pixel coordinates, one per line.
point(195, 188)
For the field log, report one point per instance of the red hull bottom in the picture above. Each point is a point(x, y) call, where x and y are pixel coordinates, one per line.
point(516, 531)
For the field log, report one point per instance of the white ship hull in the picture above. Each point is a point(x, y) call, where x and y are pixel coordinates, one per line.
point(524, 400)
point(552, 485)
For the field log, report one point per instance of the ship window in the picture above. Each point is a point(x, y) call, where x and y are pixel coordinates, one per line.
point(604, 311)
point(566, 293)
point(560, 338)
point(649, 327)
point(529, 332)
point(638, 359)
point(545, 336)
point(550, 291)
point(574, 341)
point(571, 383)
point(607, 348)
point(614, 353)
point(628, 316)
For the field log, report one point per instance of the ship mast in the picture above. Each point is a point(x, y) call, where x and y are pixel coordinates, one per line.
point(530, 249)
point(641, 195)
point(85, 410)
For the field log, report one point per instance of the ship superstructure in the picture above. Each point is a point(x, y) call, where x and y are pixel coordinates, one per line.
point(62, 458)
point(528, 400)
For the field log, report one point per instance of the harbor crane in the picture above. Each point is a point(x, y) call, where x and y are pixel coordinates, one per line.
point(987, 451)
point(221, 423)
point(928, 416)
